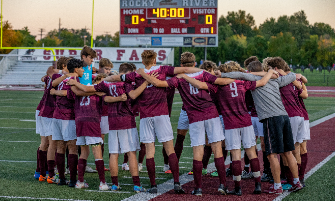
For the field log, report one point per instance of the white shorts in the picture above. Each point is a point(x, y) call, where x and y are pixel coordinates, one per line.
point(235, 136)
point(38, 122)
point(298, 129)
point(104, 125)
point(46, 124)
point(152, 127)
point(213, 129)
point(87, 140)
point(123, 141)
point(63, 130)
point(183, 123)
point(258, 126)
point(222, 123)
point(307, 134)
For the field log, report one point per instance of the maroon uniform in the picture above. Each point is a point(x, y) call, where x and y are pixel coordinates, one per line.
point(50, 100)
point(170, 91)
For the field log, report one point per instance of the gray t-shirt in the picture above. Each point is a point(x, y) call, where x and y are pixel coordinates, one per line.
point(267, 99)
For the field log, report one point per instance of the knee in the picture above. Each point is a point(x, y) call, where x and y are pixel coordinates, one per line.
point(181, 132)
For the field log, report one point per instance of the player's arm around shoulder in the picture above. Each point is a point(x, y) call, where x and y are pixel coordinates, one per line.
point(74, 82)
point(266, 78)
point(58, 92)
point(133, 94)
point(111, 99)
point(152, 79)
point(304, 93)
point(196, 83)
point(79, 92)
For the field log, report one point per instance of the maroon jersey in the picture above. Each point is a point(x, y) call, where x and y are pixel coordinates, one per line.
point(134, 104)
point(250, 104)
point(87, 110)
point(64, 106)
point(40, 105)
point(152, 102)
point(197, 103)
point(301, 103)
point(170, 91)
point(290, 101)
point(232, 104)
point(120, 114)
point(50, 100)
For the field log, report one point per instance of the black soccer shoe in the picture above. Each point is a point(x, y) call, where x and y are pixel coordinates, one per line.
point(223, 190)
point(72, 183)
point(258, 188)
point(178, 189)
point(152, 190)
point(197, 192)
point(236, 191)
point(62, 182)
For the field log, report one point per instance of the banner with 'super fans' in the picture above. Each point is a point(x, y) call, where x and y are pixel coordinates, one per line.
point(113, 54)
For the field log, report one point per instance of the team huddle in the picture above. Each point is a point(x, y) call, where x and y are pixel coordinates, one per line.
point(223, 108)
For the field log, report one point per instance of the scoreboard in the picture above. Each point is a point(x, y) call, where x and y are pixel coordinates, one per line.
point(169, 23)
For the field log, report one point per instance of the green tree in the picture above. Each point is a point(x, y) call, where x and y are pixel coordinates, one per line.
point(321, 29)
point(236, 50)
point(309, 51)
point(299, 27)
point(241, 23)
point(49, 41)
point(25, 38)
point(326, 51)
point(257, 46)
point(285, 46)
point(10, 38)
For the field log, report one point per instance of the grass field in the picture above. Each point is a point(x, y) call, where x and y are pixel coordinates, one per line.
point(317, 78)
point(19, 142)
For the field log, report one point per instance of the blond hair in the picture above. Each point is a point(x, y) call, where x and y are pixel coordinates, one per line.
point(231, 66)
point(265, 63)
point(148, 57)
point(99, 77)
point(187, 59)
point(208, 66)
point(104, 62)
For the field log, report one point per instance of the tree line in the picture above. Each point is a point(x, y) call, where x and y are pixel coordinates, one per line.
point(291, 37)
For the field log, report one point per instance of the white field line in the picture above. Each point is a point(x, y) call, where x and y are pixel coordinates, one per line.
point(116, 192)
point(19, 128)
point(21, 112)
point(16, 141)
point(318, 166)
point(28, 120)
point(32, 198)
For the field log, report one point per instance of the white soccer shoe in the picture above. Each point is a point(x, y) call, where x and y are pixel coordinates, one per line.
point(125, 166)
point(81, 185)
point(140, 167)
point(67, 171)
point(166, 167)
point(103, 187)
point(89, 169)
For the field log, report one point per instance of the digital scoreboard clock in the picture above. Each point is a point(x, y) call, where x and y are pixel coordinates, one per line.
point(169, 23)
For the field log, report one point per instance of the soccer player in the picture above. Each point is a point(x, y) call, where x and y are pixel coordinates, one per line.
point(64, 128)
point(123, 136)
point(276, 125)
point(203, 117)
point(87, 55)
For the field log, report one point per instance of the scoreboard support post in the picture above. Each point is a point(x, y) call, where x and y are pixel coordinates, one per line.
point(205, 53)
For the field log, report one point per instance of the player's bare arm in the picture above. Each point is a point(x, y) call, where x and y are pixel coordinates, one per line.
point(152, 79)
point(196, 83)
point(79, 92)
point(304, 93)
point(133, 94)
point(113, 78)
point(73, 82)
point(57, 81)
point(265, 79)
point(224, 81)
point(58, 92)
point(111, 99)
point(42, 78)
point(187, 70)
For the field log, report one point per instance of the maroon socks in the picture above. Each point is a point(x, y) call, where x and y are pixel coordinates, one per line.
point(266, 163)
point(246, 162)
point(151, 171)
point(225, 153)
point(178, 147)
point(221, 168)
point(60, 161)
point(197, 173)
point(43, 160)
point(256, 170)
point(173, 161)
point(73, 162)
point(38, 160)
point(51, 168)
point(304, 160)
point(101, 170)
point(115, 180)
point(125, 158)
point(141, 153)
point(237, 170)
point(207, 156)
point(81, 169)
point(165, 156)
point(136, 180)
point(289, 175)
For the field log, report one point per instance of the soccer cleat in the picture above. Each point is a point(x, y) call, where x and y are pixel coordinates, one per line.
point(286, 187)
point(67, 171)
point(106, 169)
point(41, 178)
point(177, 188)
point(63, 182)
point(88, 169)
point(215, 174)
point(168, 172)
point(37, 175)
point(125, 166)
point(273, 191)
point(265, 177)
point(139, 189)
point(72, 183)
point(236, 191)
point(53, 180)
point(223, 190)
point(229, 172)
point(152, 190)
point(204, 171)
point(55, 170)
point(296, 187)
point(246, 175)
point(258, 188)
point(166, 168)
point(197, 192)
point(303, 183)
point(140, 167)
point(81, 185)
point(104, 187)
point(115, 188)
point(190, 172)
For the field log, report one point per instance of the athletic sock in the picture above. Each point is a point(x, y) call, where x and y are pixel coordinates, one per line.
point(81, 169)
point(221, 168)
point(102, 150)
point(165, 156)
point(266, 163)
point(276, 186)
point(73, 163)
point(136, 180)
point(236, 170)
point(178, 147)
point(115, 180)
point(173, 161)
point(207, 156)
point(151, 170)
point(43, 159)
point(304, 160)
point(67, 156)
point(101, 169)
point(289, 176)
point(197, 173)
point(125, 158)
point(61, 165)
point(256, 170)
point(225, 152)
point(295, 180)
point(141, 153)
point(38, 160)
point(51, 168)
point(246, 162)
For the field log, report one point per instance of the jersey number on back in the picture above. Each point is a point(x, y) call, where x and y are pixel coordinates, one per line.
point(112, 90)
point(85, 101)
point(233, 87)
point(193, 90)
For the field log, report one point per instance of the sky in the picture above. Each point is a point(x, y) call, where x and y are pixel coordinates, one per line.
point(77, 14)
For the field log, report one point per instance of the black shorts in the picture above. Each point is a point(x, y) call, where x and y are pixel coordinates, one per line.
point(278, 136)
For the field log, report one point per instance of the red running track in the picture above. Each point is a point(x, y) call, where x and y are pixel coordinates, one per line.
point(319, 147)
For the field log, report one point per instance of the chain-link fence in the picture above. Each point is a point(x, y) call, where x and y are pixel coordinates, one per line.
point(317, 76)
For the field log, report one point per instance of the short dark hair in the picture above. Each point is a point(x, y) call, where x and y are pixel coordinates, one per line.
point(249, 60)
point(125, 67)
point(277, 62)
point(133, 65)
point(187, 59)
point(62, 61)
point(88, 51)
point(73, 64)
point(255, 66)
